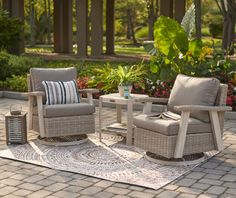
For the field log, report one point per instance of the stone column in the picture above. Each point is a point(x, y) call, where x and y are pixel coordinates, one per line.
point(16, 9)
point(110, 26)
point(179, 10)
point(166, 8)
point(82, 27)
point(96, 27)
point(62, 26)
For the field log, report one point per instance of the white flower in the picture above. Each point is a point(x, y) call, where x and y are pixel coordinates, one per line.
point(181, 56)
point(158, 82)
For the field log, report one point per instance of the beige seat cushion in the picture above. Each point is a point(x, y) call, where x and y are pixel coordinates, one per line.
point(64, 110)
point(170, 127)
point(194, 91)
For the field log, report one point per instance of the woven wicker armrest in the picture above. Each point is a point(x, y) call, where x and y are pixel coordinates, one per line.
point(89, 91)
point(36, 93)
point(202, 108)
point(152, 99)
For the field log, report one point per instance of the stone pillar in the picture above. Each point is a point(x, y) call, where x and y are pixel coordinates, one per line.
point(16, 9)
point(179, 10)
point(166, 8)
point(62, 26)
point(110, 26)
point(96, 27)
point(82, 27)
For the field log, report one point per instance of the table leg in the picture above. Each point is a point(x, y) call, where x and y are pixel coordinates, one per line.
point(118, 113)
point(129, 122)
point(100, 119)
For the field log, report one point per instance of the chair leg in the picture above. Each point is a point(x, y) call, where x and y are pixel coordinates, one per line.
point(216, 128)
point(180, 142)
point(30, 113)
point(40, 116)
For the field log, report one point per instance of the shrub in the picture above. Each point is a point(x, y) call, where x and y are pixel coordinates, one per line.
point(16, 83)
point(142, 33)
point(10, 30)
point(20, 65)
point(4, 69)
point(17, 65)
point(216, 29)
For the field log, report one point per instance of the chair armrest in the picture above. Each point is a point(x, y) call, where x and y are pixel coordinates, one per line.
point(36, 93)
point(202, 108)
point(152, 99)
point(89, 91)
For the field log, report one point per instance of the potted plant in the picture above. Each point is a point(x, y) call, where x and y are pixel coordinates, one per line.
point(109, 79)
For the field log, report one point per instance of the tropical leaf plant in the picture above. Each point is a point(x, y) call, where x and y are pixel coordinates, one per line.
point(188, 21)
point(110, 78)
point(170, 37)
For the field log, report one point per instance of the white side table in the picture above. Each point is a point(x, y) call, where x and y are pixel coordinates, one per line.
point(119, 101)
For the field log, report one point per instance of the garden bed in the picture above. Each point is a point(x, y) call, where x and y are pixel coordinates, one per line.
point(156, 108)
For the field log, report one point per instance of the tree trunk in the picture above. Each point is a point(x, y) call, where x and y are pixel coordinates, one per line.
point(198, 18)
point(32, 23)
point(49, 22)
point(151, 19)
point(45, 21)
point(130, 21)
point(228, 8)
point(156, 9)
point(128, 31)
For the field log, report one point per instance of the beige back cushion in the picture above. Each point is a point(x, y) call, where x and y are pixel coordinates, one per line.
point(194, 91)
point(38, 75)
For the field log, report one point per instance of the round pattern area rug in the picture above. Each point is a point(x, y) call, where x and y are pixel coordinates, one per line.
point(110, 160)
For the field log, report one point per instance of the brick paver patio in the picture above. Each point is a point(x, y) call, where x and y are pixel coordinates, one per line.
point(215, 178)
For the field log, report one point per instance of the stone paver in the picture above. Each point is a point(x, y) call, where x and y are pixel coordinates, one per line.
point(214, 178)
point(167, 193)
point(56, 187)
point(91, 190)
point(116, 190)
point(138, 194)
point(216, 190)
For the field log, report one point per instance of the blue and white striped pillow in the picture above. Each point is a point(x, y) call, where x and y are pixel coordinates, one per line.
point(60, 92)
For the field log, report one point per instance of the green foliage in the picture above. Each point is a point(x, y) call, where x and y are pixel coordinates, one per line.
point(216, 29)
point(20, 65)
point(170, 37)
point(150, 48)
point(16, 83)
point(176, 54)
point(108, 78)
point(4, 59)
point(142, 33)
point(17, 65)
point(10, 30)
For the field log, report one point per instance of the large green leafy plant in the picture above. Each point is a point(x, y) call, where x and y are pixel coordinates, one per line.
point(177, 52)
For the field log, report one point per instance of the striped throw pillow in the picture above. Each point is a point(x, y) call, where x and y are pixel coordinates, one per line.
point(60, 92)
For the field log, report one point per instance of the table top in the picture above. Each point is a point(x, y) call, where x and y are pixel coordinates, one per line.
point(115, 97)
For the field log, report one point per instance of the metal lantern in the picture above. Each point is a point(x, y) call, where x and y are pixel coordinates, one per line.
point(16, 130)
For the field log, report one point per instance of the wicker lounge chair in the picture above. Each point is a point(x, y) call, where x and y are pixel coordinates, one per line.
point(58, 119)
point(200, 104)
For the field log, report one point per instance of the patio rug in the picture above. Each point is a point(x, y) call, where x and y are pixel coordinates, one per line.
point(109, 160)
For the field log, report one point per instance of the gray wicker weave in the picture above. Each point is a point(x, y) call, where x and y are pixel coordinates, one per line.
point(164, 145)
point(65, 126)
